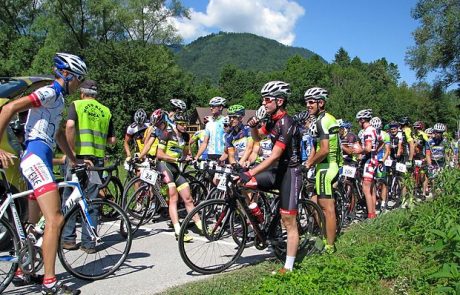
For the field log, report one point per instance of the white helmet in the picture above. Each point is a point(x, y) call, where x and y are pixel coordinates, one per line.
point(429, 130)
point(226, 120)
point(217, 101)
point(276, 89)
point(261, 113)
point(316, 93)
point(178, 103)
point(439, 127)
point(376, 123)
point(71, 63)
point(140, 116)
point(364, 114)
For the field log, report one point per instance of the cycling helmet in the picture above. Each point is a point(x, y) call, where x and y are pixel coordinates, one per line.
point(345, 124)
point(386, 127)
point(180, 117)
point(439, 127)
point(178, 103)
point(236, 110)
point(301, 117)
point(217, 101)
point(206, 119)
point(404, 121)
point(157, 117)
point(364, 114)
point(261, 113)
point(226, 120)
point(376, 123)
point(316, 93)
point(393, 124)
point(276, 89)
point(140, 116)
point(429, 130)
point(419, 125)
point(71, 63)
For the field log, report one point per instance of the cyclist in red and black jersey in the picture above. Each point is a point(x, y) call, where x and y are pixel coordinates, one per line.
point(281, 170)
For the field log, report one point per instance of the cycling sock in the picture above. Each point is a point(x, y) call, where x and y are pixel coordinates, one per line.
point(49, 282)
point(289, 264)
point(371, 215)
point(176, 227)
point(198, 225)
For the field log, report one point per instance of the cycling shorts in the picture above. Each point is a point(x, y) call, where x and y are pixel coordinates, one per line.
point(370, 166)
point(289, 183)
point(171, 175)
point(326, 175)
point(37, 168)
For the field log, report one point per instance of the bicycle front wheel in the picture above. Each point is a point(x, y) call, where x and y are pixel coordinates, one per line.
point(98, 258)
point(213, 249)
point(9, 249)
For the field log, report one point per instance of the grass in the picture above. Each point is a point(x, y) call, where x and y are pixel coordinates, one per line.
point(403, 252)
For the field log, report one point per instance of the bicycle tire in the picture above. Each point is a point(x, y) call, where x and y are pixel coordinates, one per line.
point(9, 250)
point(138, 205)
point(340, 211)
point(115, 235)
point(213, 250)
point(198, 191)
point(112, 191)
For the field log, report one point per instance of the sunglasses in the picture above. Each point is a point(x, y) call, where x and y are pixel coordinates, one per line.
point(310, 102)
point(226, 125)
point(268, 99)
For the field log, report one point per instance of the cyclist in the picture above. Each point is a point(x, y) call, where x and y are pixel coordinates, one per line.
point(135, 132)
point(42, 132)
point(238, 143)
point(198, 138)
point(89, 129)
point(396, 148)
point(173, 148)
point(439, 146)
point(326, 159)
point(281, 170)
point(383, 152)
point(408, 141)
point(262, 149)
point(214, 140)
point(422, 151)
point(369, 152)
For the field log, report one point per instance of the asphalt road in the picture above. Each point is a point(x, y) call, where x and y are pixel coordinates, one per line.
point(153, 265)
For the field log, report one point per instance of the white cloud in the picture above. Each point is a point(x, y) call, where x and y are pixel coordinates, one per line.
point(274, 19)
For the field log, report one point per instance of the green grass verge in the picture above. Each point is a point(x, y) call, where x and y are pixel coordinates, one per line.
point(403, 252)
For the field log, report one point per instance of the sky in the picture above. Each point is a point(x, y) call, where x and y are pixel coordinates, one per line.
point(368, 29)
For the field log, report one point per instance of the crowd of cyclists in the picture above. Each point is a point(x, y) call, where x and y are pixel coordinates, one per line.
point(272, 150)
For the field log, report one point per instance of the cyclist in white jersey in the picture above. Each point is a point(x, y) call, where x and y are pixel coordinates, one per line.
point(214, 140)
point(43, 130)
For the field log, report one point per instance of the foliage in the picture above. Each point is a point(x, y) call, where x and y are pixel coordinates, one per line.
point(437, 42)
point(402, 252)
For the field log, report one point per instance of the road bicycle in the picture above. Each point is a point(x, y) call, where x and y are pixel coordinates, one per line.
point(226, 223)
point(20, 250)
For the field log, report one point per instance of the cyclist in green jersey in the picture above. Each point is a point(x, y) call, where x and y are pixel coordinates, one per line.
point(326, 158)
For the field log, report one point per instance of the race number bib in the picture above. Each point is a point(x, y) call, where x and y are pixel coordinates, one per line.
point(388, 162)
point(418, 163)
point(149, 176)
point(349, 171)
point(222, 185)
point(400, 167)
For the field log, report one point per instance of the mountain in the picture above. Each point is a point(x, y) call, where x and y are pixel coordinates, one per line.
point(206, 56)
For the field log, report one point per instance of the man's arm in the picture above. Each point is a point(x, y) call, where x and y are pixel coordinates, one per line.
point(203, 147)
point(267, 163)
point(63, 144)
point(320, 154)
point(70, 134)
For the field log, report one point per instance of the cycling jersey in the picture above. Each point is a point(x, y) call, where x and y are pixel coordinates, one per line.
point(152, 132)
point(266, 147)
point(438, 148)
point(406, 134)
point(284, 133)
point(215, 132)
point(349, 140)
point(370, 159)
point(45, 116)
point(326, 127)
point(385, 137)
point(172, 144)
point(136, 132)
point(238, 139)
point(199, 138)
point(421, 144)
point(394, 143)
point(307, 143)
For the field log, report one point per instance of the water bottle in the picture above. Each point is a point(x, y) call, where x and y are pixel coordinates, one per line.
point(256, 212)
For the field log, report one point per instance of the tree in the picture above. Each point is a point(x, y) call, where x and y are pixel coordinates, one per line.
point(437, 41)
point(342, 58)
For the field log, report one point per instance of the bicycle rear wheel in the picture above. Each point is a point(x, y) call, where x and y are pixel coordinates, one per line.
point(138, 204)
point(9, 249)
point(109, 252)
point(113, 191)
point(213, 250)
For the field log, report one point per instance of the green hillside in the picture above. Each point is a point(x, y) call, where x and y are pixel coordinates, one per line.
point(206, 56)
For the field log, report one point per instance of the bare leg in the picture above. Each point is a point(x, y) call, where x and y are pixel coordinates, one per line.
point(328, 207)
